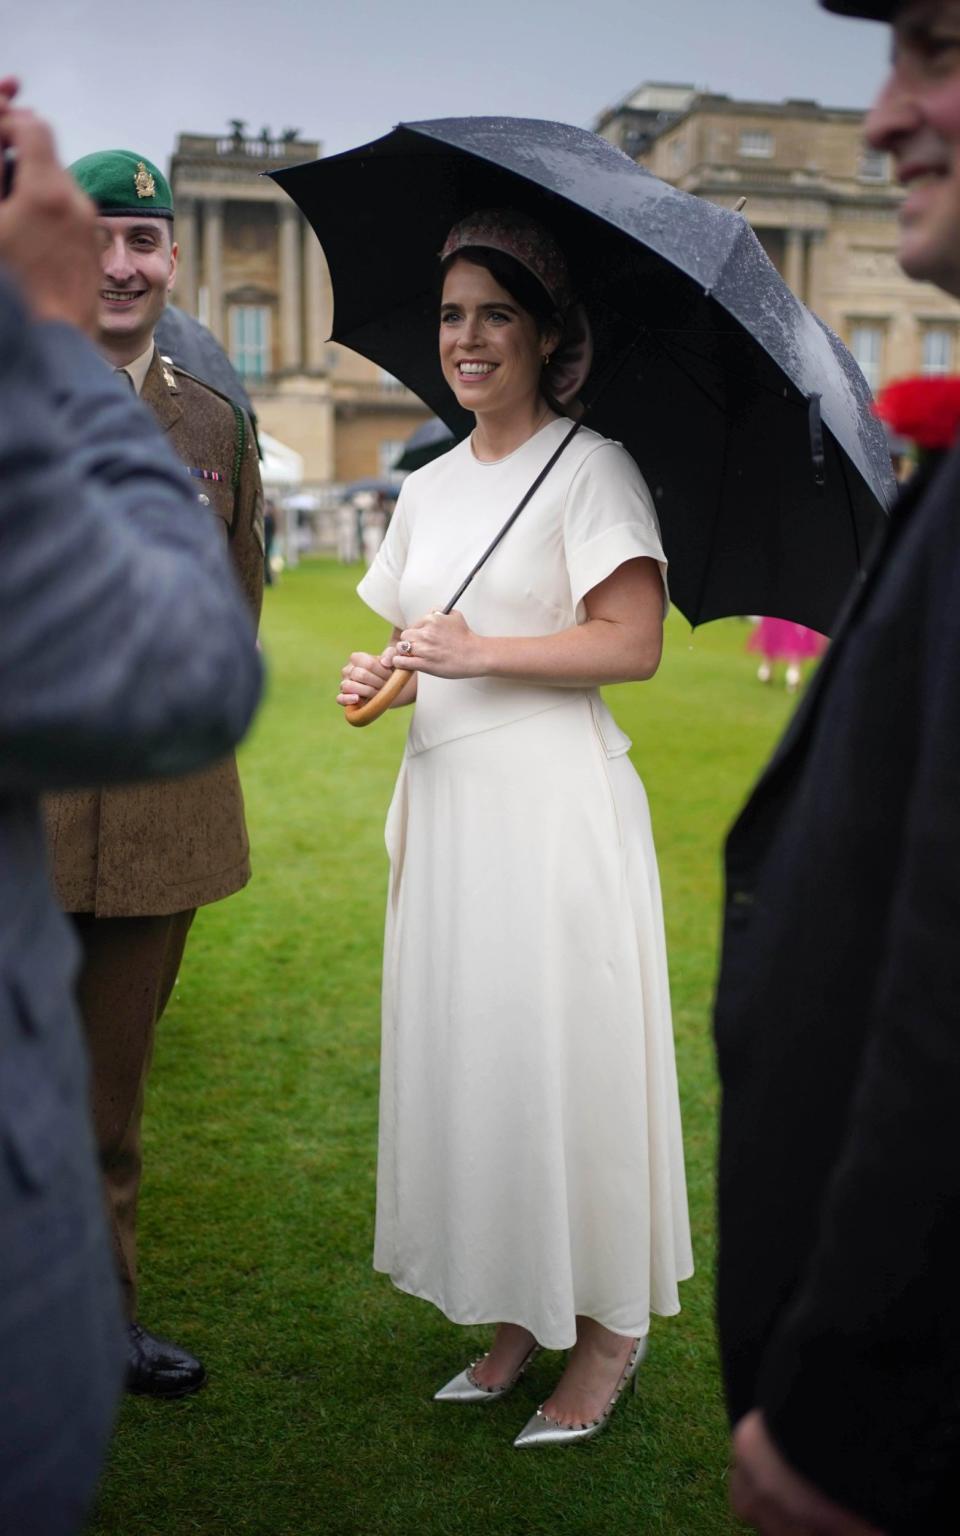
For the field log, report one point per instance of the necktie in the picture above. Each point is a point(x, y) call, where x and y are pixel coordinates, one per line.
point(126, 377)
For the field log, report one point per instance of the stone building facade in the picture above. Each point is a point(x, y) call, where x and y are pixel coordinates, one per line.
point(251, 269)
point(822, 204)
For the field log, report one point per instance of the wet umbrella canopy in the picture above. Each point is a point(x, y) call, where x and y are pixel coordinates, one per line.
point(709, 370)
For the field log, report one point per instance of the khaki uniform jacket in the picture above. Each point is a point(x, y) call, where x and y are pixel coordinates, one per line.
point(167, 845)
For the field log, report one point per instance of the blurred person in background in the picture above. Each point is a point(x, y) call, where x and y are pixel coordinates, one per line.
point(348, 531)
point(781, 640)
point(269, 541)
point(373, 524)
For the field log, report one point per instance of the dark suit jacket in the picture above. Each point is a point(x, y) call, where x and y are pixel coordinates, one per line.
point(838, 1033)
point(125, 649)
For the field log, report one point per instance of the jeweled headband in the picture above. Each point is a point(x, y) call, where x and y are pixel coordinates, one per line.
point(516, 235)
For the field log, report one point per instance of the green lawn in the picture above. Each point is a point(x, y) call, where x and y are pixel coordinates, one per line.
point(257, 1216)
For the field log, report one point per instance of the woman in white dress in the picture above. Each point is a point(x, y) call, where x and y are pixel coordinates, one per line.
point(530, 1166)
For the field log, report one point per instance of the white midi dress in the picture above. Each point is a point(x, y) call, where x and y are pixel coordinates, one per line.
point(530, 1157)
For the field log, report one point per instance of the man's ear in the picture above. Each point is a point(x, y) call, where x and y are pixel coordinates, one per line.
point(174, 254)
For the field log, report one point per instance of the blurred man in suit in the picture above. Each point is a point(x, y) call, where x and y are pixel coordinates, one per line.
point(125, 651)
point(837, 1017)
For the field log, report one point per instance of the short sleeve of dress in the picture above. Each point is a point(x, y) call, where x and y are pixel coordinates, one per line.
point(608, 518)
point(380, 587)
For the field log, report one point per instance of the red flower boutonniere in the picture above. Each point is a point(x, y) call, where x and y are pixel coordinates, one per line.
point(926, 409)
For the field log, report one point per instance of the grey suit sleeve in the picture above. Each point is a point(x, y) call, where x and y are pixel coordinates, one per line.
point(125, 647)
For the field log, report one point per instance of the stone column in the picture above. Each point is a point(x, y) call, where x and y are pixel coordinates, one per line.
point(213, 265)
point(290, 295)
point(185, 233)
point(820, 292)
point(318, 304)
point(793, 263)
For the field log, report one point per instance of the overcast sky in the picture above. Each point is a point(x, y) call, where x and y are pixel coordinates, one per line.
point(346, 72)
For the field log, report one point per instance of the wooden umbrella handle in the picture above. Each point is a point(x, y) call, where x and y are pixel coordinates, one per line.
point(363, 714)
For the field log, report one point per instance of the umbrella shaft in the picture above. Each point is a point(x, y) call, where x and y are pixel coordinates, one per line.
point(512, 518)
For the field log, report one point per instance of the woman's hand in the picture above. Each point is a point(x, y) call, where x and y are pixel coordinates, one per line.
point(364, 675)
point(442, 644)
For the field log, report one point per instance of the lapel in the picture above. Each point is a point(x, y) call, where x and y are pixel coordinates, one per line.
point(800, 724)
point(162, 398)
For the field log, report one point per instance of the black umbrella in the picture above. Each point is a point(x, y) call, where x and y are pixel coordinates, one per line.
point(425, 444)
point(192, 347)
point(722, 376)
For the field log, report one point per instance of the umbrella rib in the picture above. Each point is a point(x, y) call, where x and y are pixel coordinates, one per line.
point(698, 606)
point(851, 508)
point(690, 377)
point(708, 558)
point(757, 384)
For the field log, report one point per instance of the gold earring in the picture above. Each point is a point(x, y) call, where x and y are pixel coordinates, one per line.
point(546, 359)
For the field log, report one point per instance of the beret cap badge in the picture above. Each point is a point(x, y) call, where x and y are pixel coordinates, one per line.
point(144, 182)
point(123, 184)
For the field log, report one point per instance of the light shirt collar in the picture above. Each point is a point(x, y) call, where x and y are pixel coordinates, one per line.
point(139, 367)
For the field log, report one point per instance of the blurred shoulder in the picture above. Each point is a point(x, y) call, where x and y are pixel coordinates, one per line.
point(436, 472)
point(13, 315)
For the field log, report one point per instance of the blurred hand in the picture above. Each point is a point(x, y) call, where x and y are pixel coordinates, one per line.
point(442, 644)
point(48, 229)
point(364, 675)
point(767, 1493)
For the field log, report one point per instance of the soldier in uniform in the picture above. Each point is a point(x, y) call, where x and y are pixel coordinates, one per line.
point(131, 865)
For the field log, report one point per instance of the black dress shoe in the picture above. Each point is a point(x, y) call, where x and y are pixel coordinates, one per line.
point(157, 1368)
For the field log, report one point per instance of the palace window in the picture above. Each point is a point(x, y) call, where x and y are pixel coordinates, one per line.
point(937, 349)
point(873, 165)
point(866, 344)
point(250, 340)
point(757, 143)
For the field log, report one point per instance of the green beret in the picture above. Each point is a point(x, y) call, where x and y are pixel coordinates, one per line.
point(124, 184)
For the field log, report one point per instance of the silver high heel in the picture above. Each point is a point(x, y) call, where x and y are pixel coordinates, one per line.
point(466, 1389)
point(542, 1430)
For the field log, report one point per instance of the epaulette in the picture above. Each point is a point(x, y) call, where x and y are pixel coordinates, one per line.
point(170, 366)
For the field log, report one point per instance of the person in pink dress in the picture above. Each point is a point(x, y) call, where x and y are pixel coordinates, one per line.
point(782, 640)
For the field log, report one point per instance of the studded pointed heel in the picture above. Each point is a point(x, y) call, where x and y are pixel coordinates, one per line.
point(542, 1430)
point(466, 1389)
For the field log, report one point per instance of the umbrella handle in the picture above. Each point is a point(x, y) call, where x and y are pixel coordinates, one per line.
point(363, 714)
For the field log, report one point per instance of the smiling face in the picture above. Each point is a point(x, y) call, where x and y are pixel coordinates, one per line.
point(138, 264)
point(491, 350)
point(916, 118)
